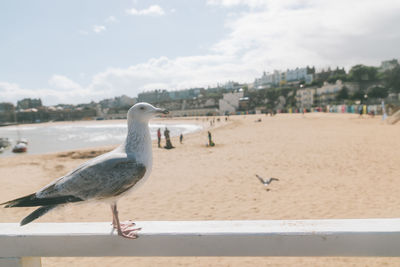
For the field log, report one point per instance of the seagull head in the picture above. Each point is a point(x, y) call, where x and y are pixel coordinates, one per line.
point(144, 112)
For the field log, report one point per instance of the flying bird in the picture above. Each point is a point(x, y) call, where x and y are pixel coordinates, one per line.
point(104, 178)
point(266, 182)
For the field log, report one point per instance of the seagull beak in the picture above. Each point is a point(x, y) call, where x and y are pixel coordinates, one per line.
point(163, 111)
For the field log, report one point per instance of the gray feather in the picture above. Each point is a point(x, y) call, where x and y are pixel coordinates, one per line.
point(108, 177)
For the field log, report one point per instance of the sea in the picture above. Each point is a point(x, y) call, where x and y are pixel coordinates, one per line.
point(57, 137)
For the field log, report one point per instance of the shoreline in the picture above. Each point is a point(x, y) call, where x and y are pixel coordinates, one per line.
point(190, 124)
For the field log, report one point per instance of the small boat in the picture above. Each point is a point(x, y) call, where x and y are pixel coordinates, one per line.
point(20, 148)
point(23, 140)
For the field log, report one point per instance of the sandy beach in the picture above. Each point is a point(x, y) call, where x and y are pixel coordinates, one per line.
point(328, 166)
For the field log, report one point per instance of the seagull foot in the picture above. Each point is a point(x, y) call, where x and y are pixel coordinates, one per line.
point(127, 230)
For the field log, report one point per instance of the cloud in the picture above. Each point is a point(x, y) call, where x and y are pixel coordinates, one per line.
point(63, 83)
point(266, 35)
point(111, 19)
point(99, 28)
point(60, 90)
point(153, 10)
point(288, 33)
point(275, 35)
point(12, 92)
point(231, 3)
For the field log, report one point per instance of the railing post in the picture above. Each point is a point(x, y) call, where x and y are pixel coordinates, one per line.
point(21, 262)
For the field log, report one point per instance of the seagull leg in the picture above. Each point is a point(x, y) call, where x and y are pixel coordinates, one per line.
point(125, 229)
point(114, 222)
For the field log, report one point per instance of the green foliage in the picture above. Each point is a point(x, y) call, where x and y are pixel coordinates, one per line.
point(317, 82)
point(358, 95)
point(362, 73)
point(378, 92)
point(392, 79)
point(343, 94)
point(29, 103)
point(272, 97)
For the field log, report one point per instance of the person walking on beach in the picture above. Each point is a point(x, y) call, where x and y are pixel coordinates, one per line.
point(168, 144)
point(181, 138)
point(159, 137)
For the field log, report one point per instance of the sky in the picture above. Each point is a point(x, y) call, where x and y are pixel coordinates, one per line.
point(80, 51)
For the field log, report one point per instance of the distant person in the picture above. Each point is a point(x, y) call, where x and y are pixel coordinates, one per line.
point(168, 144)
point(210, 142)
point(159, 137)
point(181, 138)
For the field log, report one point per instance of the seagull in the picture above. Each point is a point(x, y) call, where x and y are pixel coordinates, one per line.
point(104, 178)
point(266, 182)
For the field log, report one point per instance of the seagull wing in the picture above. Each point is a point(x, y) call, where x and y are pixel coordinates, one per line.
point(261, 179)
point(106, 176)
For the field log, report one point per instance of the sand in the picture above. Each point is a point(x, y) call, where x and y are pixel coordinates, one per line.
point(328, 165)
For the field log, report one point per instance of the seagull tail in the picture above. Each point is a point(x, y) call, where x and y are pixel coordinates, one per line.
point(36, 214)
point(32, 200)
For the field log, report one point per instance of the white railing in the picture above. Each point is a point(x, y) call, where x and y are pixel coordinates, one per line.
point(23, 246)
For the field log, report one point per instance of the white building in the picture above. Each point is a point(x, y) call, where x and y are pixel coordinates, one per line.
point(230, 102)
point(298, 74)
point(328, 91)
point(277, 77)
point(305, 97)
point(268, 79)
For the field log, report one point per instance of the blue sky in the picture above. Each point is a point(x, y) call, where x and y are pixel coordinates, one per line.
point(78, 51)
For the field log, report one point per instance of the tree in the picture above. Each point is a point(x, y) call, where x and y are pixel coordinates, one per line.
point(317, 82)
point(362, 73)
point(392, 79)
point(29, 103)
point(310, 70)
point(378, 92)
point(343, 94)
point(358, 95)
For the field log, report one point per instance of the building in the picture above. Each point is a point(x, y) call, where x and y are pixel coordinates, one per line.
point(305, 97)
point(184, 94)
point(230, 102)
point(194, 112)
point(388, 65)
point(153, 97)
point(7, 112)
point(244, 103)
point(158, 96)
point(117, 102)
point(27, 103)
point(299, 74)
point(125, 101)
point(278, 78)
point(327, 93)
point(268, 79)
